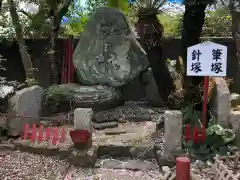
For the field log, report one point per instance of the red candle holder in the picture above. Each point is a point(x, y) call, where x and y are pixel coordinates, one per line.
point(80, 136)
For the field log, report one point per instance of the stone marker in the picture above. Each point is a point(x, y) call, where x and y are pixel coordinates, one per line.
point(172, 132)
point(220, 101)
point(235, 99)
point(83, 119)
point(26, 102)
point(151, 89)
point(108, 52)
point(234, 122)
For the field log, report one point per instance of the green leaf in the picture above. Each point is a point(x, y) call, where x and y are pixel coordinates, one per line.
point(188, 144)
point(217, 129)
point(228, 136)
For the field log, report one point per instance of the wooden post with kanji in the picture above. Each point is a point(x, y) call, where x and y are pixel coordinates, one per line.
point(206, 59)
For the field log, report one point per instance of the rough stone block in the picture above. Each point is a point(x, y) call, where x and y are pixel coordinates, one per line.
point(221, 101)
point(137, 141)
point(83, 158)
point(234, 122)
point(26, 102)
point(172, 132)
point(83, 118)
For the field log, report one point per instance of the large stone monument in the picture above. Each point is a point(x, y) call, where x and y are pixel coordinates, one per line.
point(107, 52)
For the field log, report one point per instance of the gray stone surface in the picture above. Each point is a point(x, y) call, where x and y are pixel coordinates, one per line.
point(134, 165)
point(83, 118)
point(104, 125)
point(111, 174)
point(98, 96)
point(151, 89)
point(130, 111)
point(234, 122)
point(136, 142)
point(220, 101)
point(26, 102)
point(108, 52)
point(235, 99)
point(172, 132)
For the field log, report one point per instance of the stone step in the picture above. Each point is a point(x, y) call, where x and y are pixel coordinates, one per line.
point(110, 174)
point(128, 164)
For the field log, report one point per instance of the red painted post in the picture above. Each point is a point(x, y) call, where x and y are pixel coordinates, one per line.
point(48, 133)
point(34, 133)
point(182, 168)
point(40, 134)
point(25, 132)
point(195, 135)
point(55, 136)
point(205, 101)
point(202, 135)
point(188, 135)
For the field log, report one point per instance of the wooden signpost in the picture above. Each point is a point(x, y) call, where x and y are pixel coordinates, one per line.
point(205, 59)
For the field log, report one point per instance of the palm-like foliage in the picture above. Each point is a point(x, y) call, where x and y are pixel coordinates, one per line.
point(192, 2)
point(148, 26)
point(150, 31)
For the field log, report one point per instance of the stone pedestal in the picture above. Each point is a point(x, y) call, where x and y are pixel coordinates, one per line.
point(83, 121)
point(172, 132)
point(83, 118)
point(234, 122)
point(220, 102)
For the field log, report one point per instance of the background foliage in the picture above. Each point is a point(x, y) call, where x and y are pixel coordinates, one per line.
point(217, 24)
point(218, 21)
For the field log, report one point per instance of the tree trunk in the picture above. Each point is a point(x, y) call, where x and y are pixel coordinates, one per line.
point(55, 24)
point(193, 21)
point(26, 60)
point(161, 74)
point(236, 35)
point(54, 35)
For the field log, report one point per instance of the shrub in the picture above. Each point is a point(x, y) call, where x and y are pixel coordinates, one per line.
point(217, 23)
point(57, 99)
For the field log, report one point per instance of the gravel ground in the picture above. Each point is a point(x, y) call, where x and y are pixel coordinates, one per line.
point(17, 165)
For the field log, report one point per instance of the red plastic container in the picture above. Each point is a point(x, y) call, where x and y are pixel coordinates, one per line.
point(80, 136)
point(182, 168)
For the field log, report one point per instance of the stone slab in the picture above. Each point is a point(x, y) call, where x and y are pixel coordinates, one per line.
point(234, 122)
point(26, 102)
point(221, 101)
point(137, 141)
point(83, 118)
point(83, 158)
point(172, 132)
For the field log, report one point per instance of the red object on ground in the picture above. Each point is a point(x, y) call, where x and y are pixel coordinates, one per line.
point(40, 134)
point(205, 101)
point(55, 136)
point(48, 133)
point(195, 135)
point(80, 136)
point(188, 135)
point(34, 133)
point(63, 135)
point(182, 168)
point(25, 132)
